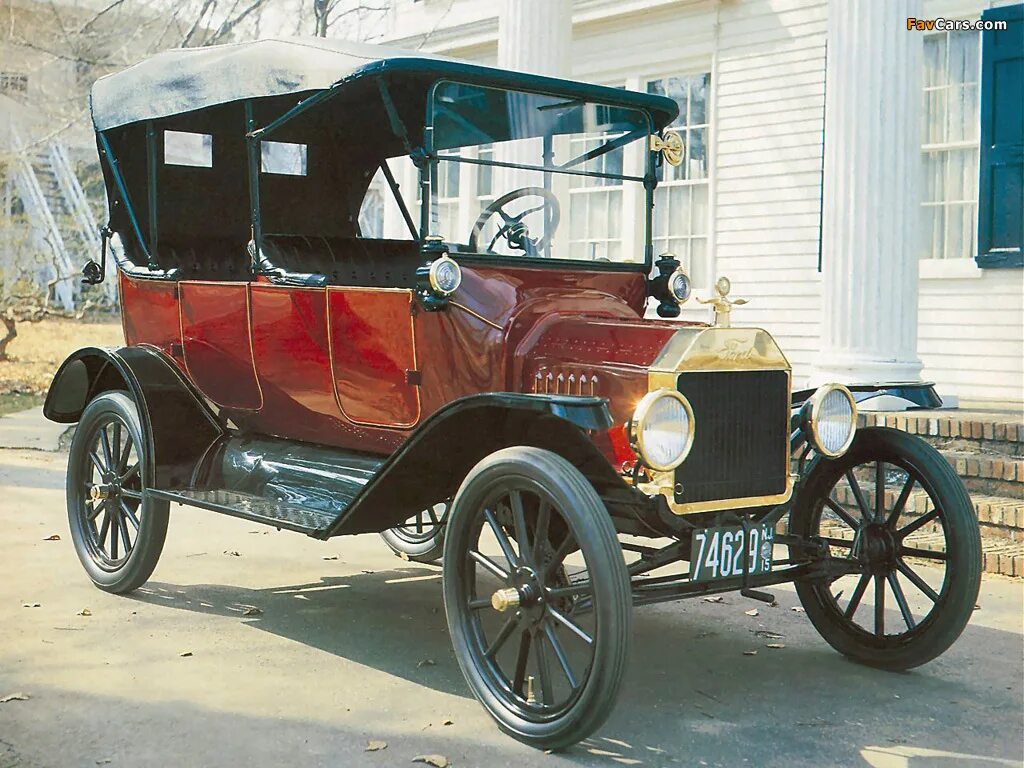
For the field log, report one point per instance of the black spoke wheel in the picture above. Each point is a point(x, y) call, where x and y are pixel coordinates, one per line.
point(421, 537)
point(118, 533)
point(537, 596)
point(895, 509)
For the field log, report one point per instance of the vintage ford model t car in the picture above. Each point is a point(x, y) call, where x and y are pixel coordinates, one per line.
point(487, 383)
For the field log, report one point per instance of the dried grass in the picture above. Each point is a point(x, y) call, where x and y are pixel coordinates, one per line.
point(41, 347)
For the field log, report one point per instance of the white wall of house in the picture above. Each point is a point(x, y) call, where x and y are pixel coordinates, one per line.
point(760, 223)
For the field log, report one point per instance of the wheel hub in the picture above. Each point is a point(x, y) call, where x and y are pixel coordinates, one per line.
point(878, 547)
point(104, 491)
point(524, 593)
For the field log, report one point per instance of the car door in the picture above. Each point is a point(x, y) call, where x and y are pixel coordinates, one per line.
point(373, 355)
point(216, 342)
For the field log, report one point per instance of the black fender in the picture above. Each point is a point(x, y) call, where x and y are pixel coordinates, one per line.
point(922, 394)
point(431, 464)
point(177, 424)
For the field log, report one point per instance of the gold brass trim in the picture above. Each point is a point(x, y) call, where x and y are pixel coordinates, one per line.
point(639, 422)
point(816, 400)
point(721, 305)
point(504, 599)
point(718, 348)
point(670, 144)
point(432, 275)
point(477, 315)
point(664, 485)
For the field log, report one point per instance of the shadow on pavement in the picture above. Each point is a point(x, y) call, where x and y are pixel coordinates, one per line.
point(689, 684)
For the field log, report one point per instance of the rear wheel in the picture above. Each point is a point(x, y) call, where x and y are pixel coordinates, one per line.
point(537, 596)
point(895, 507)
point(421, 537)
point(117, 532)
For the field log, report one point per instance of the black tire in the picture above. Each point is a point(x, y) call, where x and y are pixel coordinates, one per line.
point(118, 536)
point(421, 537)
point(528, 494)
point(945, 532)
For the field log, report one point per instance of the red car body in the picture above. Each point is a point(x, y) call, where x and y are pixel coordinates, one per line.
point(269, 355)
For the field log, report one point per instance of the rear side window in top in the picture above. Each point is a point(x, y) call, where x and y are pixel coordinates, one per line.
point(193, 149)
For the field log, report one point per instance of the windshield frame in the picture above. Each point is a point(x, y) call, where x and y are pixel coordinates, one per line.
point(429, 168)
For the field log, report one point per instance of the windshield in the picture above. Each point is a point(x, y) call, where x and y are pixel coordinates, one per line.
point(537, 176)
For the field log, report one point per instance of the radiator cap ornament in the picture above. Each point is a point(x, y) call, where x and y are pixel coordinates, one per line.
point(722, 305)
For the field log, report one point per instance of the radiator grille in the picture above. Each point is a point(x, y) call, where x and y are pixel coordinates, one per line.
point(741, 438)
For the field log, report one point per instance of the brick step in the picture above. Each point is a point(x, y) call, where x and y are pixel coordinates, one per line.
point(995, 432)
point(999, 555)
point(987, 473)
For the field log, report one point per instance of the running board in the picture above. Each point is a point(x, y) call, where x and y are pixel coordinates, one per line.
point(295, 486)
point(255, 508)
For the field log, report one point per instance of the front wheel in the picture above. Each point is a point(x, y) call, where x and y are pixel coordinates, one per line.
point(537, 596)
point(118, 533)
point(894, 507)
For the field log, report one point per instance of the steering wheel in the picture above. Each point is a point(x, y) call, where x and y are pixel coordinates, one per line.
point(513, 228)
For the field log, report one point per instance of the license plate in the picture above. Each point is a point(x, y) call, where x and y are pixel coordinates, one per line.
point(720, 553)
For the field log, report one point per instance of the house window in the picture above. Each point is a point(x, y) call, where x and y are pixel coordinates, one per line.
point(681, 199)
point(446, 193)
point(950, 145)
point(595, 204)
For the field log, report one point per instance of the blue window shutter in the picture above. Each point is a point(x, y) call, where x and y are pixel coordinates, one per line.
point(1001, 185)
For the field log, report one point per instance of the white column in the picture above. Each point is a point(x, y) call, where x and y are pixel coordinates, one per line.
point(871, 197)
point(535, 36)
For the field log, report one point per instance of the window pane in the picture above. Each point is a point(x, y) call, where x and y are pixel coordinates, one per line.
point(698, 261)
point(934, 60)
point(935, 116)
point(194, 149)
point(284, 158)
point(933, 164)
point(680, 206)
point(699, 203)
point(963, 57)
point(696, 154)
point(700, 86)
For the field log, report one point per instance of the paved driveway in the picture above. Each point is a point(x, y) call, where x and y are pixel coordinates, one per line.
point(355, 648)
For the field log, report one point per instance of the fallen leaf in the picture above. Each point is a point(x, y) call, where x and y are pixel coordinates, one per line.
point(977, 607)
point(750, 653)
point(185, 654)
point(252, 610)
point(55, 537)
point(84, 612)
point(447, 722)
point(14, 697)
point(767, 634)
point(775, 645)
point(232, 553)
point(330, 557)
point(375, 745)
point(713, 599)
point(438, 761)
point(773, 604)
point(753, 612)
point(425, 663)
point(403, 556)
point(31, 605)
point(797, 609)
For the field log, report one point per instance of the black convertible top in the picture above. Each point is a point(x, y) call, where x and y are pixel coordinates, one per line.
point(187, 79)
